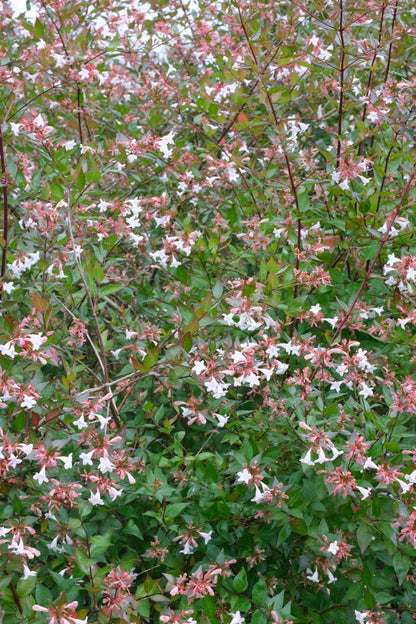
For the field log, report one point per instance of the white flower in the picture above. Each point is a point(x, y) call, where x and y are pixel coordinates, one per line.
point(198, 367)
point(86, 458)
point(314, 577)
point(8, 349)
point(95, 499)
point(27, 572)
point(243, 476)
point(13, 461)
point(307, 459)
point(40, 476)
point(361, 616)
point(315, 309)
point(333, 548)
point(86, 148)
point(332, 322)
point(365, 391)
point(69, 145)
point(80, 423)
point(206, 536)
point(404, 486)
point(15, 127)
point(67, 460)
point(321, 457)
point(335, 453)
point(8, 287)
point(222, 420)
point(163, 143)
point(105, 465)
point(187, 549)
point(237, 618)
point(258, 497)
point(369, 464)
point(28, 402)
point(411, 477)
point(25, 448)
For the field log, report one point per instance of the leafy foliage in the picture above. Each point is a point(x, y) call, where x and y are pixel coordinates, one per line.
point(208, 318)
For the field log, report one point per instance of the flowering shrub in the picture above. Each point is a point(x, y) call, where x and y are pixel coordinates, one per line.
point(208, 282)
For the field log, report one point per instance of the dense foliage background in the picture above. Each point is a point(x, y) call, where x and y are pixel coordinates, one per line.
point(208, 319)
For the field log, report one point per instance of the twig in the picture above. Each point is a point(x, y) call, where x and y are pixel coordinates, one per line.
point(380, 247)
point(4, 183)
point(102, 357)
point(341, 72)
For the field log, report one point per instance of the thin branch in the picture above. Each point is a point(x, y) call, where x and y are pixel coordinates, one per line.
point(102, 357)
point(4, 183)
point(341, 85)
point(372, 265)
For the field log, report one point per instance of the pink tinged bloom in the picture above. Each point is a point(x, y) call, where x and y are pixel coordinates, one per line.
point(13, 461)
point(258, 496)
point(95, 499)
point(237, 618)
point(370, 464)
point(37, 340)
point(37, 607)
point(331, 577)
point(18, 548)
point(41, 477)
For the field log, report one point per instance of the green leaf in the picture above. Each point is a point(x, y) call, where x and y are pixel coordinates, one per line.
point(260, 592)
point(364, 537)
point(240, 581)
point(258, 617)
point(100, 544)
point(25, 586)
point(174, 510)
point(401, 565)
point(187, 342)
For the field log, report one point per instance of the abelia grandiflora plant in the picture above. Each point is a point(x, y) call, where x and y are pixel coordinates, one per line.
point(207, 312)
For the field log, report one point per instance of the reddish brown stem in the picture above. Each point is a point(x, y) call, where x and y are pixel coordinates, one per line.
point(372, 265)
point(4, 182)
point(341, 73)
